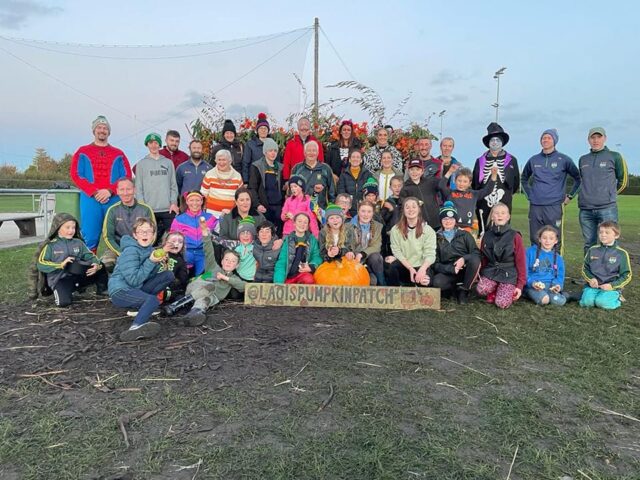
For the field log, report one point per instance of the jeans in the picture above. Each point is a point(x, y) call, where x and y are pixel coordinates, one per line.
point(196, 260)
point(589, 221)
point(537, 295)
point(145, 298)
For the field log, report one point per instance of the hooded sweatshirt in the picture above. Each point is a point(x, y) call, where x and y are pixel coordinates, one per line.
point(156, 183)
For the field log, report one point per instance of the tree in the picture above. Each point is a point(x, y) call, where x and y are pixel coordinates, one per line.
point(42, 165)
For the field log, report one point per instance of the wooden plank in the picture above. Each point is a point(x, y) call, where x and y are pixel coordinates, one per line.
point(388, 298)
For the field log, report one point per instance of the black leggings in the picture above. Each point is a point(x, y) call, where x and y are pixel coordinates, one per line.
point(466, 276)
point(398, 275)
point(63, 291)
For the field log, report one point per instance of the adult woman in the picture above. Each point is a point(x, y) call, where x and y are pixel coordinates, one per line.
point(253, 148)
point(338, 151)
point(230, 143)
point(372, 158)
point(385, 174)
point(219, 185)
point(243, 208)
point(265, 183)
point(508, 181)
point(353, 179)
point(369, 241)
point(299, 255)
point(413, 245)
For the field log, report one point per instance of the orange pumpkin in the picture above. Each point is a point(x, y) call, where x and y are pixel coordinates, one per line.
point(342, 272)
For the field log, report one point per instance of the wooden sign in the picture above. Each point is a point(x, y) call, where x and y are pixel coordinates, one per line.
point(390, 298)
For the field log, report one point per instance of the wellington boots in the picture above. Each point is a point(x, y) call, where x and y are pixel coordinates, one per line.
point(172, 308)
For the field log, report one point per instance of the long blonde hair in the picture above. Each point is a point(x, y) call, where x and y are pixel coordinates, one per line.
point(342, 236)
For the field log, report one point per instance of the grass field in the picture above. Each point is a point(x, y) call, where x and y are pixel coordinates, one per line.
point(462, 393)
point(18, 203)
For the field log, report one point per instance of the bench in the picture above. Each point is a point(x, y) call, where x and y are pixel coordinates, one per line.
point(26, 222)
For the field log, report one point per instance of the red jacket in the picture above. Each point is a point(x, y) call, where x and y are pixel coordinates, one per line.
point(294, 154)
point(177, 158)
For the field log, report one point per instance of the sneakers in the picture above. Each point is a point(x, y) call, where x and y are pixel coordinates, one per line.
point(463, 296)
point(195, 317)
point(138, 332)
point(491, 298)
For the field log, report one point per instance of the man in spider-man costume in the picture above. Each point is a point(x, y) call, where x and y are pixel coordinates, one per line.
point(95, 169)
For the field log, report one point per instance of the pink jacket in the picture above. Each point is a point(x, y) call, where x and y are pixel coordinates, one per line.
point(296, 205)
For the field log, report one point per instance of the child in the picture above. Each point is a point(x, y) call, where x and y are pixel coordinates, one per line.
point(266, 249)
point(299, 256)
point(457, 256)
point(246, 269)
point(337, 239)
point(385, 175)
point(390, 212)
point(188, 223)
point(545, 269)
point(345, 202)
point(369, 241)
point(136, 280)
point(413, 248)
point(606, 269)
point(298, 202)
point(503, 274)
point(463, 197)
point(173, 245)
point(352, 179)
point(55, 258)
point(370, 194)
point(424, 189)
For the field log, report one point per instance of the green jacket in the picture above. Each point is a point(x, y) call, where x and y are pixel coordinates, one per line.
point(288, 252)
point(211, 268)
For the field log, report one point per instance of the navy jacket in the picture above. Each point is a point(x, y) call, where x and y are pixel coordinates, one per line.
point(608, 264)
point(549, 173)
point(604, 175)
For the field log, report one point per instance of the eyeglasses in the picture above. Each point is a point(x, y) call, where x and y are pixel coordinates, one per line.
point(145, 231)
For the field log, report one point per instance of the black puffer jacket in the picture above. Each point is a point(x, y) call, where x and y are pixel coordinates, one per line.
point(447, 253)
point(333, 159)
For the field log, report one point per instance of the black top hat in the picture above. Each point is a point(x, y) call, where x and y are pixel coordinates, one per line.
point(495, 130)
point(78, 267)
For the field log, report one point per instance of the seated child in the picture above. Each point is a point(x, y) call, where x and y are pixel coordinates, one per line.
point(298, 202)
point(299, 256)
point(246, 270)
point(173, 243)
point(337, 239)
point(210, 288)
point(137, 280)
point(55, 256)
point(606, 269)
point(503, 274)
point(457, 256)
point(462, 196)
point(369, 241)
point(545, 269)
point(188, 223)
point(266, 249)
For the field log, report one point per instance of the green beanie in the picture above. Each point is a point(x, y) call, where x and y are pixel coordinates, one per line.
point(151, 138)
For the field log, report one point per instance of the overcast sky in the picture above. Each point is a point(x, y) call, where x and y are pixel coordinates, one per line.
point(569, 65)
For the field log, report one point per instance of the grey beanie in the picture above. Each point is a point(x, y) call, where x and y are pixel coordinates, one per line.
point(269, 144)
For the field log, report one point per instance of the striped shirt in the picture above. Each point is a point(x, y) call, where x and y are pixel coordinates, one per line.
point(218, 189)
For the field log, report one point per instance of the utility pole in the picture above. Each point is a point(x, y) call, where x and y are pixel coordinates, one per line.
point(316, 60)
point(497, 77)
point(441, 115)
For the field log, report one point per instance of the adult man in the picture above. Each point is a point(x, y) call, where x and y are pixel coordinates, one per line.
point(171, 151)
point(431, 165)
point(156, 185)
point(95, 168)
point(446, 158)
point(120, 218)
point(294, 149)
point(604, 176)
point(548, 171)
point(318, 176)
point(189, 174)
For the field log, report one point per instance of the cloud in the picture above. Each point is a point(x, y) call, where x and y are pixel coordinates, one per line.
point(15, 14)
point(447, 77)
point(450, 99)
point(236, 111)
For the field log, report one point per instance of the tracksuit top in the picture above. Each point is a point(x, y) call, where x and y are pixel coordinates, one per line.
point(549, 172)
point(604, 175)
point(608, 264)
point(119, 221)
point(54, 253)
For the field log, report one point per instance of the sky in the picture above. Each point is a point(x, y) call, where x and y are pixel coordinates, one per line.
point(568, 66)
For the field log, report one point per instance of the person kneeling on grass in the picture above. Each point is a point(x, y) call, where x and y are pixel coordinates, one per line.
point(545, 269)
point(65, 263)
point(504, 269)
point(136, 280)
point(210, 288)
point(457, 256)
point(299, 255)
point(606, 269)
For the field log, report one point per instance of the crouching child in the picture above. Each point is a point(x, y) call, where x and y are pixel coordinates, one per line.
point(64, 263)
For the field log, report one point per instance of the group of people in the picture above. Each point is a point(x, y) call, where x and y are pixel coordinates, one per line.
point(184, 233)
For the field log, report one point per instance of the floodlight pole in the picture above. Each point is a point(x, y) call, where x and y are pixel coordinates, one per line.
point(441, 115)
point(497, 77)
point(316, 59)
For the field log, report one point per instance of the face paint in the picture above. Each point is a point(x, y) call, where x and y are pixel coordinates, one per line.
point(495, 144)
